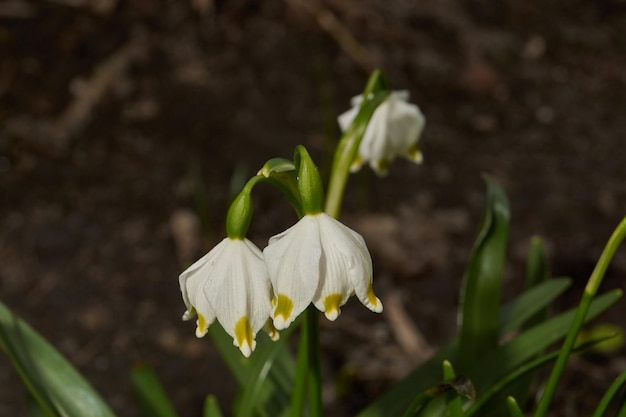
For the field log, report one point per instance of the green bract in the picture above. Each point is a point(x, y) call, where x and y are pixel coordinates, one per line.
point(309, 182)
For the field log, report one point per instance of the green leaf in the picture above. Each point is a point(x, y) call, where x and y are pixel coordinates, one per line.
point(509, 380)
point(34, 409)
point(509, 356)
point(537, 272)
point(211, 407)
point(433, 400)
point(537, 281)
point(54, 383)
point(514, 409)
point(455, 405)
point(591, 289)
point(482, 282)
point(537, 269)
point(273, 398)
point(256, 390)
point(395, 401)
point(613, 390)
point(531, 301)
point(151, 396)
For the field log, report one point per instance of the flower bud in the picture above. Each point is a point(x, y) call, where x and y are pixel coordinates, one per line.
point(309, 182)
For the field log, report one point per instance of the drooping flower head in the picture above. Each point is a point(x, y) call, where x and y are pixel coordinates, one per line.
point(393, 130)
point(318, 260)
point(230, 283)
point(322, 261)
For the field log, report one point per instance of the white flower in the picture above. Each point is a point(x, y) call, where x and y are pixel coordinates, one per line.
point(318, 260)
point(393, 130)
point(229, 283)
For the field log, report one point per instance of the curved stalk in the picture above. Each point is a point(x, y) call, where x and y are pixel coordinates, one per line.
point(590, 291)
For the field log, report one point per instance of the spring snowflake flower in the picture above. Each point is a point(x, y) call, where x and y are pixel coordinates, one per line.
point(393, 130)
point(229, 283)
point(318, 260)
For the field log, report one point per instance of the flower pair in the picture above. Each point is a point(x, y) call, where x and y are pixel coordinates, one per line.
point(318, 260)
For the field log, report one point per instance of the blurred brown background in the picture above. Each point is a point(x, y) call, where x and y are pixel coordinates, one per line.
point(113, 112)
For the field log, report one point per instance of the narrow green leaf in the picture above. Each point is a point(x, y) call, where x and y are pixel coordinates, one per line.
point(201, 197)
point(211, 407)
point(537, 269)
point(537, 272)
point(482, 282)
point(499, 388)
point(395, 401)
point(34, 409)
point(151, 396)
point(255, 391)
point(54, 383)
point(530, 302)
point(514, 409)
point(622, 410)
point(591, 289)
point(615, 387)
point(505, 358)
point(420, 406)
point(275, 393)
point(455, 405)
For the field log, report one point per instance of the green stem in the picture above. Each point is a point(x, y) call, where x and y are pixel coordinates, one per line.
point(338, 180)
point(590, 291)
point(349, 142)
point(315, 365)
point(302, 367)
point(308, 367)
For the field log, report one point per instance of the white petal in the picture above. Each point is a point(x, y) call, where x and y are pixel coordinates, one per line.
point(187, 273)
point(361, 272)
point(356, 100)
point(393, 130)
point(293, 262)
point(191, 283)
point(346, 119)
point(400, 95)
point(240, 294)
point(206, 315)
point(406, 123)
point(338, 253)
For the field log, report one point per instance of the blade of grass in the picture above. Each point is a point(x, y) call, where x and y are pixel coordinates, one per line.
point(482, 281)
point(581, 313)
point(151, 396)
point(56, 385)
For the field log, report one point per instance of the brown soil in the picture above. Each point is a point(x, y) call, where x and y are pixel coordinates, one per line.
point(111, 110)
